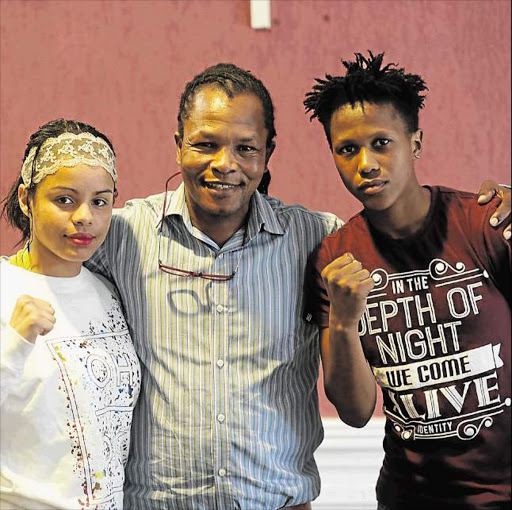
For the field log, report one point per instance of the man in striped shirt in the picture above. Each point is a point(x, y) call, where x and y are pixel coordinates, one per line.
point(211, 277)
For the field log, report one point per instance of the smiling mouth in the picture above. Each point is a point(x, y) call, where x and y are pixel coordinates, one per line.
point(221, 185)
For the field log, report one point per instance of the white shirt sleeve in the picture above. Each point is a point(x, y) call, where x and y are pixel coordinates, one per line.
point(14, 351)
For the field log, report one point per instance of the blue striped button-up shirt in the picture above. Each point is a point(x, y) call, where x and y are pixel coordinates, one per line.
point(228, 413)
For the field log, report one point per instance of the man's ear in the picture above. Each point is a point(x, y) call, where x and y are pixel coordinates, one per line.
point(417, 143)
point(269, 151)
point(178, 140)
point(23, 200)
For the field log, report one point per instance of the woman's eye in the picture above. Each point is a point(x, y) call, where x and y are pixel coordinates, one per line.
point(100, 202)
point(381, 142)
point(64, 200)
point(346, 149)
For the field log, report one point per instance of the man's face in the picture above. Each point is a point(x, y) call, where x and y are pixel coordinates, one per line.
point(222, 155)
point(374, 153)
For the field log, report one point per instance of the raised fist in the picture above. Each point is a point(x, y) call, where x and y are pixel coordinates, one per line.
point(348, 285)
point(32, 317)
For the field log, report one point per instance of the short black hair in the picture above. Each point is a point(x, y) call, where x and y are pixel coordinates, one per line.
point(232, 80)
point(366, 80)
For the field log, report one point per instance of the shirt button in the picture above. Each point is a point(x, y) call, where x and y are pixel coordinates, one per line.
point(221, 417)
point(220, 308)
point(220, 362)
point(222, 472)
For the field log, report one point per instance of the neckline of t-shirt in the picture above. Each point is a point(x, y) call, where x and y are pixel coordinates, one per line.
point(59, 281)
point(426, 225)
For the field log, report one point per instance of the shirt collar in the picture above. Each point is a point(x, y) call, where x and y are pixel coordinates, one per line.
point(177, 206)
point(261, 216)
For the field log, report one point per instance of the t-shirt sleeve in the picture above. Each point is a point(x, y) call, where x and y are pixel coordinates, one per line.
point(14, 351)
point(317, 302)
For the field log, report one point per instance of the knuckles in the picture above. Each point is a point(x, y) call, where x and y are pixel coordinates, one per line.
point(24, 300)
point(33, 309)
point(351, 279)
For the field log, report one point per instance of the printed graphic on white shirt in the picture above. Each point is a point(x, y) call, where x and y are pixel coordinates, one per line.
point(107, 371)
point(426, 373)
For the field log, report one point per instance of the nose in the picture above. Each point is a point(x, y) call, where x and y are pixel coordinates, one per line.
point(82, 215)
point(224, 161)
point(367, 164)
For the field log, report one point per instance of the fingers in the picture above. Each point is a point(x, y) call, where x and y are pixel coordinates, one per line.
point(32, 317)
point(502, 214)
point(347, 275)
point(347, 284)
point(346, 266)
point(346, 262)
point(45, 325)
point(31, 304)
point(358, 286)
point(487, 191)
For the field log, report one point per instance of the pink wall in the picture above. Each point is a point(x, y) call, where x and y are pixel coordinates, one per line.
point(121, 65)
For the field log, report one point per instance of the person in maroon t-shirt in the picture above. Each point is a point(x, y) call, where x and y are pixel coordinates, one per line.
point(413, 292)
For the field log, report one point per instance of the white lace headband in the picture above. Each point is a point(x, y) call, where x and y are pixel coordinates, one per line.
point(68, 150)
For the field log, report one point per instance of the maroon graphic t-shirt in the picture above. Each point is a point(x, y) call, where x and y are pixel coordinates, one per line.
point(436, 332)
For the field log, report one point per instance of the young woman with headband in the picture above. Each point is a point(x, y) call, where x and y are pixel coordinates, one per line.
point(69, 374)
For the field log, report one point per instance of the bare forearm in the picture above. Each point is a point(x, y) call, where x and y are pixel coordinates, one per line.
point(349, 382)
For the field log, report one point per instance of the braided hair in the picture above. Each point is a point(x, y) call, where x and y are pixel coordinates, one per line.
point(366, 80)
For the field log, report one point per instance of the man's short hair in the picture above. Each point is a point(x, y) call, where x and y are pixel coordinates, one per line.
point(233, 81)
point(366, 80)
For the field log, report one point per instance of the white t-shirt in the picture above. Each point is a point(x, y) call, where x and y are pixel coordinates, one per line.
point(67, 400)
